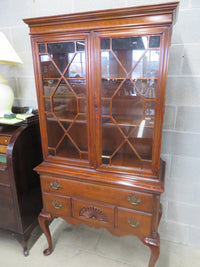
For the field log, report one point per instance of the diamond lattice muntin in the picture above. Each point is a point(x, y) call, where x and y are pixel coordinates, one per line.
point(129, 70)
point(64, 84)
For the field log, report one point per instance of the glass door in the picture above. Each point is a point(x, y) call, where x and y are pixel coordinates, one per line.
point(129, 73)
point(64, 79)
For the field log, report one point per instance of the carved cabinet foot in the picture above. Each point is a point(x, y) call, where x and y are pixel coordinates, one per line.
point(154, 245)
point(43, 221)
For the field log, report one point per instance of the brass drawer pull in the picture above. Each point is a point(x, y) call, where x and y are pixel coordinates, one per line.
point(134, 200)
point(133, 222)
point(55, 185)
point(57, 205)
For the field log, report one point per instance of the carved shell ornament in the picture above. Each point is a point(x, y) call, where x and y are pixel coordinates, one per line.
point(93, 213)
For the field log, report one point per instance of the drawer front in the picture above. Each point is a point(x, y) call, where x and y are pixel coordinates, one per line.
point(125, 198)
point(3, 149)
point(93, 212)
point(133, 222)
point(57, 205)
point(4, 140)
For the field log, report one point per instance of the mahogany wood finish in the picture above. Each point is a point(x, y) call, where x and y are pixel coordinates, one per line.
point(101, 80)
point(20, 192)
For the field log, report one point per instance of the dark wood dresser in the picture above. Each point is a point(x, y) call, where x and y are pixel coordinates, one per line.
point(20, 191)
point(101, 80)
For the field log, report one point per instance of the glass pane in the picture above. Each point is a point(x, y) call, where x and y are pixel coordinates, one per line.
point(80, 46)
point(109, 86)
point(106, 107)
point(149, 110)
point(82, 106)
point(77, 66)
point(142, 139)
point(49, 86)
point(127, 105)
point(78, 86)
point(146, 87)
point(154, 41)
point(105, 43)
point(110, 67)
point(60, 52)
point(151, 63)
point(42, 48)
point(80, 137)
point(47, 104)
point(48, 69)
point(64, 102)
point(68, 149)
point(54, 131)
point(110, 144)
point(129, 50)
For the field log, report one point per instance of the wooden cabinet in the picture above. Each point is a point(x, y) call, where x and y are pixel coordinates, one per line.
point(101, 80)
point(20, 192)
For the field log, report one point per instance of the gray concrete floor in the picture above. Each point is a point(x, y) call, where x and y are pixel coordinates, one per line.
point(81, 246)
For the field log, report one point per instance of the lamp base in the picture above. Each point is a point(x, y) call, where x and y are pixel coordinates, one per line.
point(6, 97)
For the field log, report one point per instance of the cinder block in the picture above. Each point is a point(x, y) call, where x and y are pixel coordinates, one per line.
point(187, 19)
point(185, 144)
point(187, 119)
point(183, 213)
point(173, 231)
point(183, 91)
point(185, 169)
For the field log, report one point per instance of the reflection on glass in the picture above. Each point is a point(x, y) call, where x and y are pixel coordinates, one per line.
point(54, 131)
point(154, 41)
point(64, 85)
point(49, 86)
point(48, 69)
point(77, 66)
point(109, 86)
point(79, 137)
point(59, 52)
point(127, 105)
point(142, 139)
point(147, 87)
point(78, 86)
point(110, 67)
point(64, 102)
point(47, 104)
point(42, 48)
point(105, 43)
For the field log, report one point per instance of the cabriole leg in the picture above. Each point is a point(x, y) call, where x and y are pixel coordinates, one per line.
point(43, 221)
point(154, 245)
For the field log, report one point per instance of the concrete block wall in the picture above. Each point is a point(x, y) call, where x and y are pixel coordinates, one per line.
point(181, 134)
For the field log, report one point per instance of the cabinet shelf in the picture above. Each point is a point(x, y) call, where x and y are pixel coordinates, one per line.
point(126, 121)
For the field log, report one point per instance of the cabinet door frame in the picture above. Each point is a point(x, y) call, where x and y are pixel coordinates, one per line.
point(53, 38)
point(165, 33)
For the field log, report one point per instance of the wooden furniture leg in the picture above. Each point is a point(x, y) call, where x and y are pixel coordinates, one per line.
point(154, 245)
point(43, 221)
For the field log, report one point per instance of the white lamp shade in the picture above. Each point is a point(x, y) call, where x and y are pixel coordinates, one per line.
point(7, 53)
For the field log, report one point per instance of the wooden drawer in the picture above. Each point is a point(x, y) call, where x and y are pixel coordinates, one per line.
point(57, 205)
point(94, 213)
point(133, 222)
point(108, 194)
point(3, 149)
point(4, 140)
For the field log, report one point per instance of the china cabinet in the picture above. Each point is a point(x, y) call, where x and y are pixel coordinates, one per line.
point(101, 80)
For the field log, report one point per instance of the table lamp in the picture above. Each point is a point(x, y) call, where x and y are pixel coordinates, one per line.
point(7, 56)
